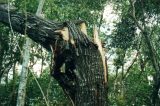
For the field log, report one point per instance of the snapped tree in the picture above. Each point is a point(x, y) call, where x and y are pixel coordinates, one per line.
point(84, 79)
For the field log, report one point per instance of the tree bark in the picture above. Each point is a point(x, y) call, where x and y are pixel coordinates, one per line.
point(83, 79)
point(24, 75)
point(91, 88)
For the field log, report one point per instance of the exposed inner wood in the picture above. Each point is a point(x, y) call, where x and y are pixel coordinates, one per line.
point(65, 33)
point(101, 50)
point(83, 28)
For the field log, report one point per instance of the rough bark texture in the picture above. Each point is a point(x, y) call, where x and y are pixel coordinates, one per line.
point(83, 79)
point(91, 88)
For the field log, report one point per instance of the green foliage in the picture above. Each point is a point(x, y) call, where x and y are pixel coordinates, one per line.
point(50, 87)
point(67, 10)
point(137, 87)
point(26, 5)
point(3, 1)
point(119, 61)
point(124, 34)
point(9, 50)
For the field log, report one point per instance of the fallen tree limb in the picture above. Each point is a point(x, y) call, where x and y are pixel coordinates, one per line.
point(38, 29)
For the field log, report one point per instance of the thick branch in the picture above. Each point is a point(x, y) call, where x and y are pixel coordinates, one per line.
point(39, 30)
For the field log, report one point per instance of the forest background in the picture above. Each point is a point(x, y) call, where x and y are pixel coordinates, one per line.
point(131, 39)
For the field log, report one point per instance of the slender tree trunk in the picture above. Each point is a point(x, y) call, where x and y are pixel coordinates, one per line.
point(24, 72)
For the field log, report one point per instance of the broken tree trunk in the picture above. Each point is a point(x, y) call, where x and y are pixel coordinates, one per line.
point(84, 77)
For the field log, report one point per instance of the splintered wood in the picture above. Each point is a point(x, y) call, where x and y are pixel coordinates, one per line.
point(100, 48)
point(83, 28)
point(65, 33)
